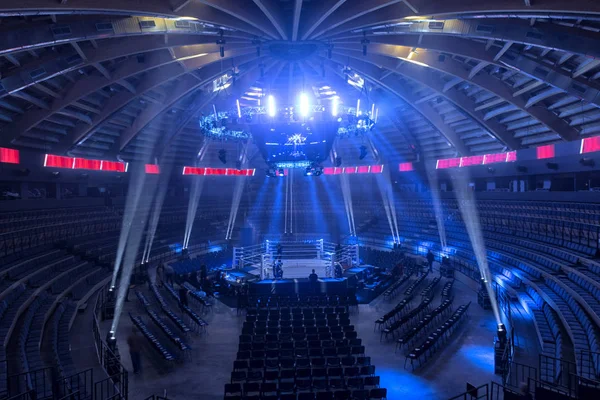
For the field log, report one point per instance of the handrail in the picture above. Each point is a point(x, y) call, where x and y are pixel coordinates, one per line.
point(109, 361)
point(469, 396)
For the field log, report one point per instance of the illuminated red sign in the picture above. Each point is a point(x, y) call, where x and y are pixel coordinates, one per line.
point(544, 152)
point(406, 167)
point(9, 156)
point(590, 145)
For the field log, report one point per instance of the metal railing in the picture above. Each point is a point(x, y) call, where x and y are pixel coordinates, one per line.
point(557, 371)
point(4, 387)
point(29, 395)
point(589, 362)
point(516, 373)
point(80, 385)
point(500, 392)
point(585, 388)
point(39, 382)
point(110, 362)
point(106, 389)
point(542, 390)
point(480, 392)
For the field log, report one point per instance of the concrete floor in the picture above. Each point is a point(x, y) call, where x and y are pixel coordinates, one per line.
point(467, 357)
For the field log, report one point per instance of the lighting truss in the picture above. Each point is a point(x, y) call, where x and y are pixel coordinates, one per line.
point(232, 124)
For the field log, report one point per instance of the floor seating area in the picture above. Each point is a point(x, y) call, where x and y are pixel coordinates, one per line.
point(438, 338)
point(302, 348)
point(550, 249)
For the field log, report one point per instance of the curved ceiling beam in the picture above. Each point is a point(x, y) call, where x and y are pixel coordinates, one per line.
point(352, 10)
point(246, 79)
point(147, 8)
point(272, 10)
point(29, 38)
point(58, 64)
point(345, 19)
point(153, 79)
point(372, 73)
point(318, 14)
point(553, 75)
point(192, 57)
point(544, 35)
point(243, 11)
point(452, 67)
point(427, 78)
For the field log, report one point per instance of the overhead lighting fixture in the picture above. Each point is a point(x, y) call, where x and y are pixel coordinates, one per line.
point(271, 110)
point(239, 110)
point(357, 107)
point(373, 111)
point(304, 106)
point(335, 105)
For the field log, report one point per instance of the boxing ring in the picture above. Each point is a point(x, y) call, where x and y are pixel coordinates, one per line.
point(298, 258)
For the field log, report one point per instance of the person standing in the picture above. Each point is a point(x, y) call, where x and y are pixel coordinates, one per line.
point(160, 274)
point(430, 258)
point(313, 280)
point(134, 343)
point(203, 275)
point(183, 297)
point(169, 274)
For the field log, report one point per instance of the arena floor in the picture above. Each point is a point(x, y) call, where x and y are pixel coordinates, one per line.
point(469, 356)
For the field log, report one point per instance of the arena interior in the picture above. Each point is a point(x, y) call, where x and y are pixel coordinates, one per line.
point(299, 199)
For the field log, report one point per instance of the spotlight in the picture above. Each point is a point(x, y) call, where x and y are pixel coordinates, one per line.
point(363, 152)
point(491, 170)
point(335, 105)
point(223, 156)
point(281, 172)
point(502, 333)
point(308, 171)
point(271, 109)
point(587, 162)
point(357, 107)
point(304, 106)
point(239, 110)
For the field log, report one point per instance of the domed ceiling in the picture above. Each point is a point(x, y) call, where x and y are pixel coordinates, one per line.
point(130, 79)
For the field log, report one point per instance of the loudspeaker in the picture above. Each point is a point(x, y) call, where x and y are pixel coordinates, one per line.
point(552, 166)
point(521, 169)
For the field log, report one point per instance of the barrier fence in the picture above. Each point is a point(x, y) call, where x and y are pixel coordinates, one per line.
point(110, 362)
point(39, 382)
point(516, 373)
point(557, 372)
point(479, 392)
point(590, 364)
